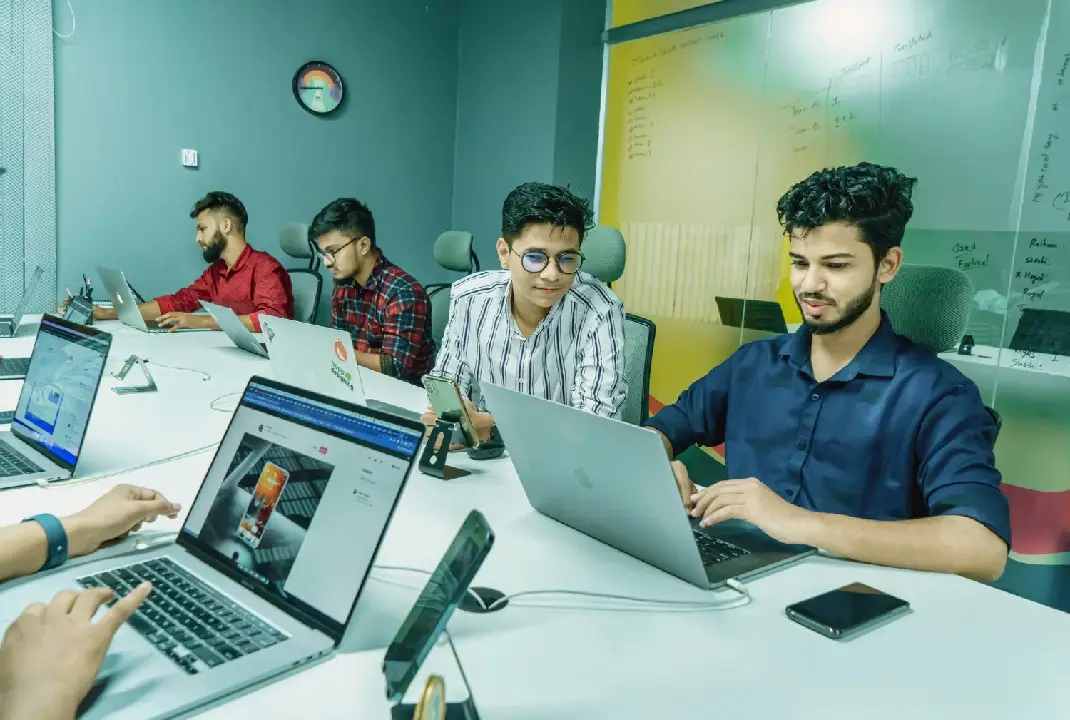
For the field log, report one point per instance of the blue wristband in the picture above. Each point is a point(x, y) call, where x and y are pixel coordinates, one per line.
point(56, 536)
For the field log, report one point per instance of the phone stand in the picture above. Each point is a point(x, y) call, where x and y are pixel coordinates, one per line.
point(436, 451)
point(149, 386)
point(457, 710)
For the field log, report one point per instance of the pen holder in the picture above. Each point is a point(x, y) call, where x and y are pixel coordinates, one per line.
point(436, 451)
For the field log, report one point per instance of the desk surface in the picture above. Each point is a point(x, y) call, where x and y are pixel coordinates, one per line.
point(967, 650)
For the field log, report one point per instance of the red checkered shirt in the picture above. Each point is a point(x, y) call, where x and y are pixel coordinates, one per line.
point(257, 284)
point(389, 316)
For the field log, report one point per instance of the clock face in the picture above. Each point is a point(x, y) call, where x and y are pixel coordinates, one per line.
point(318, 88)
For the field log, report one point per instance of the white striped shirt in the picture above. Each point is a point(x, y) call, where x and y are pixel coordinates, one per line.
point(574, 357)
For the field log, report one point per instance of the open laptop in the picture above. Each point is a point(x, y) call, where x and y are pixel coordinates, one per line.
point(9, 324)
point(126, 304)
point(612, 481)
point(267, 568)
point(56, 402)
point(13, 368)
point(752, 314)
point(320, 359)
point(231, 324)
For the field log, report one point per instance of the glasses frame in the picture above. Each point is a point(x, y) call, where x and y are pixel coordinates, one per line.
point(555, 258)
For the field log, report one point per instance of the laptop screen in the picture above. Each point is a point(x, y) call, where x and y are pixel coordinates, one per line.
point(27, 295)
point(60, 388)
point(299, 495)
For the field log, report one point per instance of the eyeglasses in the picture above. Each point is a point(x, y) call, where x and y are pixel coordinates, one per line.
point(327, 257)
point(535, 261)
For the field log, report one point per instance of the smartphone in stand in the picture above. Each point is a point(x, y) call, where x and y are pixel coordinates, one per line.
point(448, 404)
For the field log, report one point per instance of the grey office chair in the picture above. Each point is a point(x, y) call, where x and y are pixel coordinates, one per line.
point(930, 306)
point(307, 282)
point(453, 251)
point(604, 253)
point(638, 356)
point(604, 256)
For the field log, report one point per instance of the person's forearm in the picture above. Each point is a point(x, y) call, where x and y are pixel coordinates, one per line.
point(24, 547)
point(372, 361)
point(100, 313)
point(948, 543)
point(37, 703)
point(664, 441)
point(150, 310)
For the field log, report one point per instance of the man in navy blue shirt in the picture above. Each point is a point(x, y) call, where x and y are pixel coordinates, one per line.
point(844, 435)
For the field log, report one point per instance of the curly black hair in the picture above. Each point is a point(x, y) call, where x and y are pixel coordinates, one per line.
point(874, 198)
point(535, 203)
point(349, 216)
point(224, 202)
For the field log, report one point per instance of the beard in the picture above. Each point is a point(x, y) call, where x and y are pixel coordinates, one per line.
point(854, 309)
point(214, 250)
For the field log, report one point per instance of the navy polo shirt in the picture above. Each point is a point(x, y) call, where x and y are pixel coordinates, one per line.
point(896, 434)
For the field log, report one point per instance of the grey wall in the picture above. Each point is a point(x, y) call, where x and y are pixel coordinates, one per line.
point(141, 80)
point(527, 104)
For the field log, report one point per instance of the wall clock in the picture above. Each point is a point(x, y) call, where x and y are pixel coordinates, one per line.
point(318, 88)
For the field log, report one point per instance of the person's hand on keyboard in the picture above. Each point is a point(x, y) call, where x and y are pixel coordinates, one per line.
point(121, 511)
point(51, 654)
point(752, 501)
point(184, 321)
point(683, 481)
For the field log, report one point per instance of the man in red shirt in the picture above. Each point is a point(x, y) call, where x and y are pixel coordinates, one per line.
point(382, 307)
point(250, 282)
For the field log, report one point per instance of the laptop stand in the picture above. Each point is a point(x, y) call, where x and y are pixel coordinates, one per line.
point(458, 710)
point(437, 450)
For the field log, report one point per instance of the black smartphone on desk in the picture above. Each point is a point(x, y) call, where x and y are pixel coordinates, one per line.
point(848, 611)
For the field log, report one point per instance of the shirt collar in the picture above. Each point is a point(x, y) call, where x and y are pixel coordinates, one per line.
point(378, 273)
point(876, 358)
point(243, 257)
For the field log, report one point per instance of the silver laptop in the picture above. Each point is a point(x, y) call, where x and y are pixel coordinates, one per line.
point(9, 324)
point(14, 368)
point(267, 568)
point(55, 404)
point(235, 329)
point(612, 481)
point(322, 360)
point(126, 304)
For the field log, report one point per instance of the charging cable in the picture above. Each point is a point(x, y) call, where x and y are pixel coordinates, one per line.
point(214, 405)
point(744, 597)
point(204, 376)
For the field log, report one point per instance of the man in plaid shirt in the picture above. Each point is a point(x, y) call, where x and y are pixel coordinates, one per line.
point(381, 306)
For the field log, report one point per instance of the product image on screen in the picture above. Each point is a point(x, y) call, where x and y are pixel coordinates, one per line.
point(265, 497)
point(264, 509)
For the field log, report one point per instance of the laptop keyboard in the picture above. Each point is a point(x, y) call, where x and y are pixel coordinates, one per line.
point(13, 464)
point(14, 366)
point(713, 551)
point(194, 625)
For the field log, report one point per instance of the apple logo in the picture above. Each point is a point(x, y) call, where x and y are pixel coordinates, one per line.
point(584, 479)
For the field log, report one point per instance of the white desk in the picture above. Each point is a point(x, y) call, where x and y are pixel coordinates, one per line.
point(967, 650)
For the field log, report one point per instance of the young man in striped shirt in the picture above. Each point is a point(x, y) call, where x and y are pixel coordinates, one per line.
point(538, 325)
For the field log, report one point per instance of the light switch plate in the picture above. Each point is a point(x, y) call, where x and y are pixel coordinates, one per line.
point(189, 158)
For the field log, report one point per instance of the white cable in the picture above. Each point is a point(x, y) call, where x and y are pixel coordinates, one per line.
point(688, 605)
point(74, 24)
point(202, 373)
point(660, 603)
point(214, 404)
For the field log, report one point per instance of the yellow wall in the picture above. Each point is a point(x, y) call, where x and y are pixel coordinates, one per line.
point(630, 11)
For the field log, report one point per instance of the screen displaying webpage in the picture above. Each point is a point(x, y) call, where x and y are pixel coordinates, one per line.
point(299, 496)
point(61, 384)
